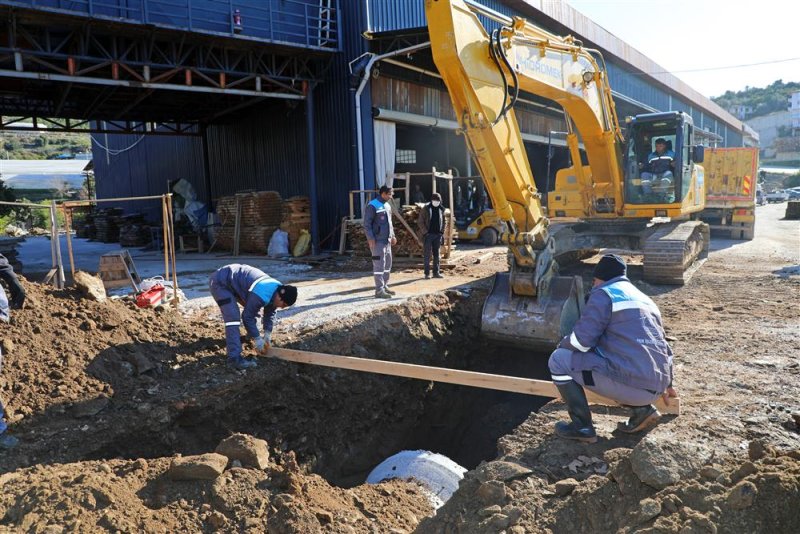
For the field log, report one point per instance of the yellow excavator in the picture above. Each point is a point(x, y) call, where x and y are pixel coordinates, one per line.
point(619, 200)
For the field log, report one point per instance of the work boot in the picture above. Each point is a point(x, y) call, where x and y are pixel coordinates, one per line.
point(8, 442)
point(438, 275)
point(382, 295)
point(427, 276)
point(642, 418)
point(393, 293)
point(580, 428)
point(240, 364)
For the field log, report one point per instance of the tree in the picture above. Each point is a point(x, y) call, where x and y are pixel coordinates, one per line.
point(6, 195)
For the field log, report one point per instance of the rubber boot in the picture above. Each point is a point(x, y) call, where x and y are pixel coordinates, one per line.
point(240, 364)
point(642, 418)
point(580, 429)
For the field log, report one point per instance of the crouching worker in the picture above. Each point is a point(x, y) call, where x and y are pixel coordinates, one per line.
point(241, 284)
point(618, 350)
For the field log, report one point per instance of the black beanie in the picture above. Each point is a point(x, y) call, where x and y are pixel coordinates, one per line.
point(288, 294)
point(610, 266)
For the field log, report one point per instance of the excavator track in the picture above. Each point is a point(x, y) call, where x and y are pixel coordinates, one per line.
point(674, 251)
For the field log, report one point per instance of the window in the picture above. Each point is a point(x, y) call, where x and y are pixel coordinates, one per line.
point(402, 155)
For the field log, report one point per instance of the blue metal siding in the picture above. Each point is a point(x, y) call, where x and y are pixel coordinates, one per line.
point(337, 165)
point(395, 15)
point(295, 22)
point(268, 150)
point(145, 167)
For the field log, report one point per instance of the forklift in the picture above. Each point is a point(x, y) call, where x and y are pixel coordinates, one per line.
point(475, 218)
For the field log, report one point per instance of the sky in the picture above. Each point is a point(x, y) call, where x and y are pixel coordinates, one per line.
point(703, 36)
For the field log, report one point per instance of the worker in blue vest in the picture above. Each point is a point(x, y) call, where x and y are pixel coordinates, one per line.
point(618, 349)
point(380, 237)
point(236, 284)
point(6, 441)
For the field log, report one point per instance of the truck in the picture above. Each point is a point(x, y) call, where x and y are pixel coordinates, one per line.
point(619, 198)
point(731, 183)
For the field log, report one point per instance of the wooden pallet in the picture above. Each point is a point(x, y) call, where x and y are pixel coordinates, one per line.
point(118, 270)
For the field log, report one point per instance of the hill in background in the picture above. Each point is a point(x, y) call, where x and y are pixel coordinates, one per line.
point(760, 100)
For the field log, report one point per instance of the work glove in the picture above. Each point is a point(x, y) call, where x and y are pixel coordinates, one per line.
point(262, 345)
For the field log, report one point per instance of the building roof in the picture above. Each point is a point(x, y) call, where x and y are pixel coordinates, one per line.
point(13, 167)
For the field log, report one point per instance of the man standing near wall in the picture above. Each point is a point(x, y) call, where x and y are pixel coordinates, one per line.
point(380, 237)
point(431, 223)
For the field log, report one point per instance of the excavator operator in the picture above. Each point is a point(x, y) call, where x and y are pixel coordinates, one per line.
point(657, 176)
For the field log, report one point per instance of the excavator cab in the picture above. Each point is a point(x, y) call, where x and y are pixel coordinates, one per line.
point(661, 177)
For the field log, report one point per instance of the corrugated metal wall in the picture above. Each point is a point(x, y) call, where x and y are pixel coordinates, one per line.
point(267, 150)
point(142, 166)
point(337, 166)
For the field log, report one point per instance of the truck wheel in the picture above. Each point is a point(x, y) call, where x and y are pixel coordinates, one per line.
point(748, 233)
point(488, 237)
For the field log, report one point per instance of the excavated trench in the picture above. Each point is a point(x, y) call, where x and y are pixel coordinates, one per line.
point(340, 423)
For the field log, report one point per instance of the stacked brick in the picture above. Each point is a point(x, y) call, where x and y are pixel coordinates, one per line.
point(107, 223)
point(262, 213)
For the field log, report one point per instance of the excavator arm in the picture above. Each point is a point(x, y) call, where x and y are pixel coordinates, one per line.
point(483, 74)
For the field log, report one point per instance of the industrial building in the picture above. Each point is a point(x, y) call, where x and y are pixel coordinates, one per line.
point(305, 97)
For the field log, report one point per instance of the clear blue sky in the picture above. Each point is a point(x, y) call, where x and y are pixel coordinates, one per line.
point(705, 35)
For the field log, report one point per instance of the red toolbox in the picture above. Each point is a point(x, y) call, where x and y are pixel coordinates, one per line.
point(151, 297)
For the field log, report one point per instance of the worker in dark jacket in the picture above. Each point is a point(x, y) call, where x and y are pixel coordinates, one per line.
point(618, 350)
point(380, 237)
point(241, 284)
point(8, 275)
point(431, 224)
point(6, 441)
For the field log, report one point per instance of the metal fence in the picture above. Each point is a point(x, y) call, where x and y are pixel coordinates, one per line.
point(304, 23)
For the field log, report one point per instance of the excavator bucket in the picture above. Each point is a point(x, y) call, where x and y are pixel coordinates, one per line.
point(536, 323)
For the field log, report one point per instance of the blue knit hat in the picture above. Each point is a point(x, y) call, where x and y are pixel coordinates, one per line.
point(610, 266)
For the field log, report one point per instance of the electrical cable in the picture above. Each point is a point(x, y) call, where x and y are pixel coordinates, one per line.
point(709, 69)
point(115, 152)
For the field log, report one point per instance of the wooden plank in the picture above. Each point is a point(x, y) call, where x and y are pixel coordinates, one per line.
point(527, 386)
point(412, 232)
point(452, 215)
point(237, 226)
point(343, 236)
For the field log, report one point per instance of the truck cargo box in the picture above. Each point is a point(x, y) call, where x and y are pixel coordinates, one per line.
point(731, 175)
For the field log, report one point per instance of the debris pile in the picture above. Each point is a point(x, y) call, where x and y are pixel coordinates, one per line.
point(239, 488)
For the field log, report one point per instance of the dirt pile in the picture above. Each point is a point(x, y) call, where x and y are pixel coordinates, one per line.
point(147, 496)
point(113, 392)
point(734, 495)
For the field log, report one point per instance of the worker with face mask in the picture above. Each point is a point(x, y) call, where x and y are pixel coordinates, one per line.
point(431, 224)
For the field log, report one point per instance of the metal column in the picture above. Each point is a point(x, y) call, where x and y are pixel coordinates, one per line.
point(312, 168)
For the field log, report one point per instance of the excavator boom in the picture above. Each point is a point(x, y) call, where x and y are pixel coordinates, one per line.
point(532, 305)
